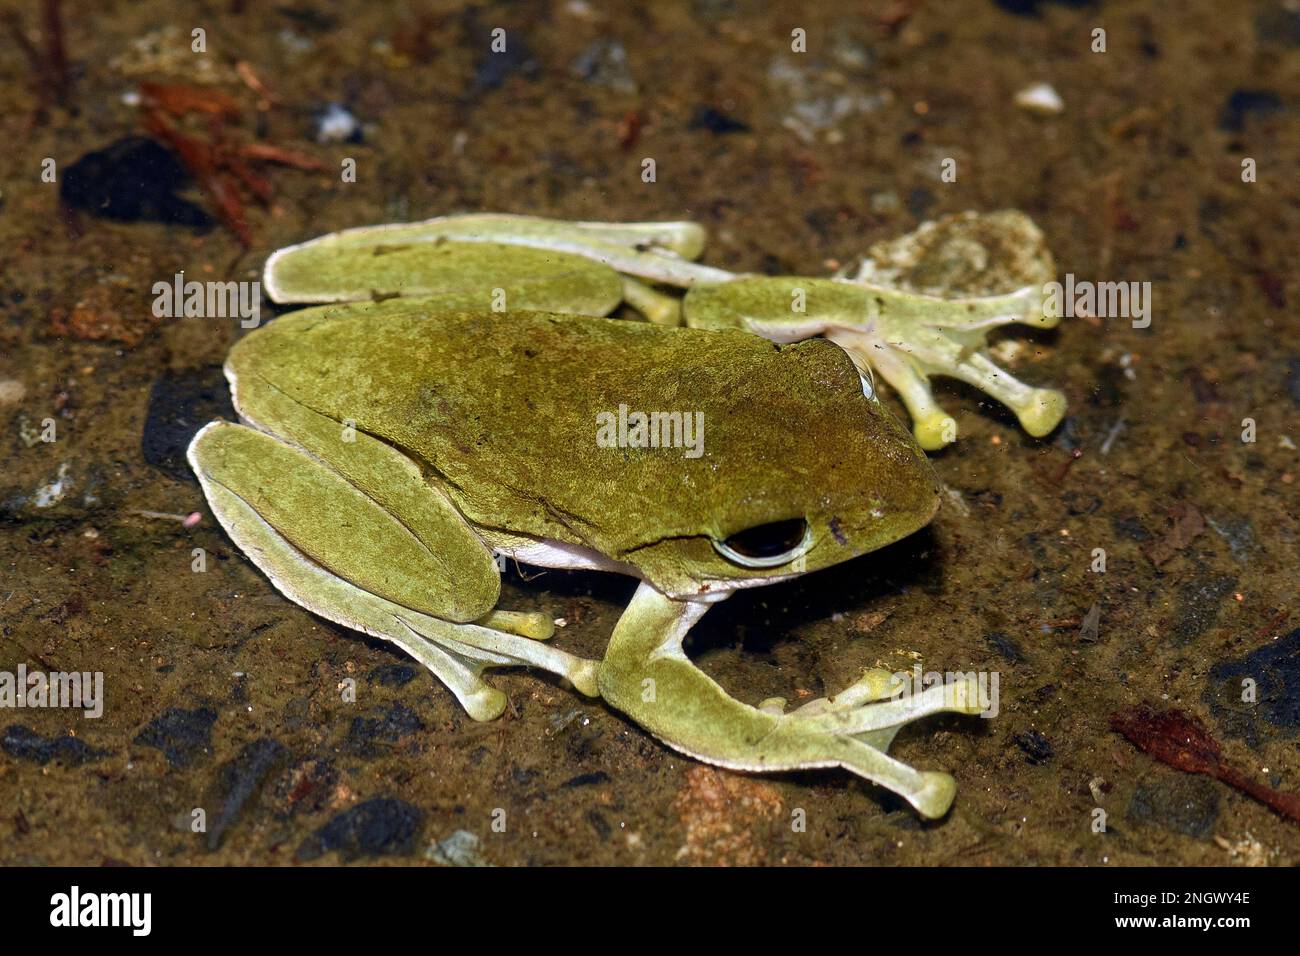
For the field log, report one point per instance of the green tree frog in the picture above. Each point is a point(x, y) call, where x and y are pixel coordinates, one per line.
point(919, 306)
point(389, 449)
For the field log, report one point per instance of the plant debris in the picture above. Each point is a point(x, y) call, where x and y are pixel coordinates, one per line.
point(1183, 742)
point(1185, 524)
point(220, 165)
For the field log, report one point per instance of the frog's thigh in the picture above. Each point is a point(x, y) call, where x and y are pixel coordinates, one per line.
point(313, 534)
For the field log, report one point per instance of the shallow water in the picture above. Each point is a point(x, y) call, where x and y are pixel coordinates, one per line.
point(222, 695)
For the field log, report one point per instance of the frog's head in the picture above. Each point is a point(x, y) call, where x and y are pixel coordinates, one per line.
point(803, 468)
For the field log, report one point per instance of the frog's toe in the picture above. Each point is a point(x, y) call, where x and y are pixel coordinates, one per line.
point(936, 794)
point(1041, 411)
point(773, 705)
point(874, 685)
point(534, 624)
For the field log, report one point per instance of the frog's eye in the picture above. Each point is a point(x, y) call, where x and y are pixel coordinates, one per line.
point(767, 545)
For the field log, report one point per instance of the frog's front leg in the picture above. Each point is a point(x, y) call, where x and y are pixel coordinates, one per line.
point(646, 675)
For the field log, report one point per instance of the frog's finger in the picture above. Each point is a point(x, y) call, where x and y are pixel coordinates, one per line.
point(1039, 410)
point(961, 697)
point(876, 684)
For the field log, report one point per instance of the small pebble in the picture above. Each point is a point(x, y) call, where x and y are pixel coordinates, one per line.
point(1040, 98)
point(337, 125)
point(11, 391)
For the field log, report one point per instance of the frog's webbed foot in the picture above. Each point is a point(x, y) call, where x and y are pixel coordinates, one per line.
point(908, 351)
point(647, 676)
point(940, 290)
point(873, 710)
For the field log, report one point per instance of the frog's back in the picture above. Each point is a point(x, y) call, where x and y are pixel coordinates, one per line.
point(504, 411)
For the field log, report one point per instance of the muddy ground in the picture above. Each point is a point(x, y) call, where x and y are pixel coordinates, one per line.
point(222, 695)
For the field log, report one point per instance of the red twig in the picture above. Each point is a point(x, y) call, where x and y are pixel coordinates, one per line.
point(1182, 741)
point(56, 56)
point(219, 165)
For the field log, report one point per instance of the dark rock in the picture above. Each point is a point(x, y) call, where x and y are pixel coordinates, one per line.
point(1200, 601)
point(1131, 527)
point(26, 744)
point(1037, 748)
point(179, 405)
point(1008, 647)
point(131, 180)
point(386, 725)
point(1275, 669)
point(182, 735)
point(1179, 802)
point(1238, 532)
point(1243, 103)
point(1278, 25)
point(585, 780)
point(493, 69)
point(384, 826)
point(1293, 379)
point(1029, 8)
point(392, 675)
point(599, 823)
point(716, 122)
point(240, 779)
point(919, 202)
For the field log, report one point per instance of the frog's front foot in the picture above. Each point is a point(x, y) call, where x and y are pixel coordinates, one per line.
point(871, 712)
point(647, 676)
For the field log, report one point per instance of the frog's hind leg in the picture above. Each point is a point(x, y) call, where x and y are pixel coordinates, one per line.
point(252, 479)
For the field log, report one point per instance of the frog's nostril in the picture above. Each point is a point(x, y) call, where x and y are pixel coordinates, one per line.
point(766, 545)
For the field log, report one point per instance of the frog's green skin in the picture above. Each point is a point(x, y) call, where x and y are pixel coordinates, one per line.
point(388, 450)
point(888, 317)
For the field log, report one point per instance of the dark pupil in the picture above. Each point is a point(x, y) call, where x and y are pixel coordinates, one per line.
point(769, 540)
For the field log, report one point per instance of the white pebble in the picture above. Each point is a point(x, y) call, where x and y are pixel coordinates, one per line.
point(1040, 98)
